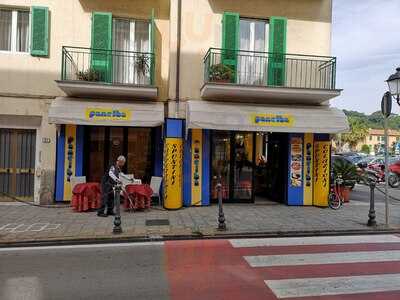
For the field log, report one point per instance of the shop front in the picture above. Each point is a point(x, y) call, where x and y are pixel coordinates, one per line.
point(92, 134)
point(259, 152)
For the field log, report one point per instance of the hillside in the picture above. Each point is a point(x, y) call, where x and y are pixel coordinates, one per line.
point(374, 120)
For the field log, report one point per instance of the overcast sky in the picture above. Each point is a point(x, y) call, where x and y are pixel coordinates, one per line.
point(366, 42)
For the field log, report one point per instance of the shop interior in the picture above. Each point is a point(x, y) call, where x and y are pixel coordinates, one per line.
point(105, 144)
point(253, 166)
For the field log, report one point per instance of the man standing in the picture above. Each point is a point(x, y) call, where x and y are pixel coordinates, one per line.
point(109, 179)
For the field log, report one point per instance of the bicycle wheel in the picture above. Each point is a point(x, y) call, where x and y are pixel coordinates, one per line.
point(334, 201)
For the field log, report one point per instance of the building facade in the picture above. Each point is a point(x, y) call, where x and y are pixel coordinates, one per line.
point(196, 91)
point(375, 140)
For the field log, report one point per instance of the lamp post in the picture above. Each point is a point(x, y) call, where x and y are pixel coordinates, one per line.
point(394, 91)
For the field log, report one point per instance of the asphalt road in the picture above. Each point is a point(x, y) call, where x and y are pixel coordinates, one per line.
point(327, 268)
point(102, 272)
point(362, 193)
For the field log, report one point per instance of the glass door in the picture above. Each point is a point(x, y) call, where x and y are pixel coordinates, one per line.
point(233, 158)
point(242, 166)
point(253, 39)
point(221, 157)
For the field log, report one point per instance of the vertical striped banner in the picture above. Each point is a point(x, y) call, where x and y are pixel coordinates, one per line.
point(197, 154)
point(69, 162)
point(308, 168)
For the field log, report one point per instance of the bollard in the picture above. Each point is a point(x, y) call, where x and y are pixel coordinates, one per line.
point(371, 214)
point(221, 216)
point(117, 202)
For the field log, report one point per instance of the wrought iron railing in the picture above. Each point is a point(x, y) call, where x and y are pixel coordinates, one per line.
point(107, 66)
point(269, 69)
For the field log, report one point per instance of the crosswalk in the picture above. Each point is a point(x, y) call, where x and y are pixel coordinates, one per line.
point(344, 267)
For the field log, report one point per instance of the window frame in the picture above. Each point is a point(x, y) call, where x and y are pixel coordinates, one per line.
point(132, 36)
point(14, 25)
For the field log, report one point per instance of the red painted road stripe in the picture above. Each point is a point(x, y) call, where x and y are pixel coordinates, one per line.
point(308, 249)
point(208, 270)
point(370, 296)
point(328, 270)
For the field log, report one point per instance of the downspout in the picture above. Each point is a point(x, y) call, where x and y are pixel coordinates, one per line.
point(178, 60)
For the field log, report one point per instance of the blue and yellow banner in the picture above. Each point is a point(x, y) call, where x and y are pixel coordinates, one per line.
point(274, 120)
point(321, 173)
point(197, 146)
point(308, 168)
point(69, 161)
point(173, 158)
point(107, 114)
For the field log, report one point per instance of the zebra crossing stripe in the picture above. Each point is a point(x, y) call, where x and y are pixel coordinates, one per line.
point(309, 287)
point(314, 240)
point(322, 258)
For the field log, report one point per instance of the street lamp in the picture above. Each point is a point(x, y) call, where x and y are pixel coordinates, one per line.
point(394, 85)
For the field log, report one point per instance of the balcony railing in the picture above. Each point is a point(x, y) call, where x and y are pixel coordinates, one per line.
point(107, 66)
point(251, 68)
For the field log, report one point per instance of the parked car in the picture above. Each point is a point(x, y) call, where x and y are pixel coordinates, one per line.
point(394, 176)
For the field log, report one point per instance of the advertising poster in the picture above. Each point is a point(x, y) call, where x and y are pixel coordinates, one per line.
point(197, 145)
point(173, 155)
point(296, 161)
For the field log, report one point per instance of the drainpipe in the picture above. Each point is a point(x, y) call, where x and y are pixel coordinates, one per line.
point(178, 59)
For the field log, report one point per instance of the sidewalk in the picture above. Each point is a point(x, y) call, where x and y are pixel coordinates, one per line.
point(24, 223)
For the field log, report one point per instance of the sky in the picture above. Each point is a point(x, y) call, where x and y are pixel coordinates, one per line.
point(366, 42)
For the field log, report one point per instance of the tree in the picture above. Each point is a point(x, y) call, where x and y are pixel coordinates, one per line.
point(358, 132)
point(365, 149)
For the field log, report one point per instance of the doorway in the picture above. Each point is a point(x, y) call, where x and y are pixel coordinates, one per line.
point(233, 158)
point(17, 164)
point(105, 144)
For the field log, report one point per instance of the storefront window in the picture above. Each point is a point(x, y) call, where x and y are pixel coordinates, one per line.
point(96, 156)
point(139, 153)
point(221, 163)
point(243, 166)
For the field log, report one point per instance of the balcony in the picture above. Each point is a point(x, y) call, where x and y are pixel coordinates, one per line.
point(95, 73)
point(236, 75)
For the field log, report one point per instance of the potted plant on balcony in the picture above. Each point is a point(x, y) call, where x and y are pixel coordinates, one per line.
point(88, 75)
point(142, 64)
point(221, 73)
point(348, 172)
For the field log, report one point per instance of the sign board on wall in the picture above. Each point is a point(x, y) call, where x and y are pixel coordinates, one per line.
point(69, 161)
point(321, 173)
point(107, 114)
point(296, 161)
point(308, 168)
point(173, 158)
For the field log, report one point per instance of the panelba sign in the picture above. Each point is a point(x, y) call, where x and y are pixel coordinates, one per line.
point(272, 120)
point(107, 114)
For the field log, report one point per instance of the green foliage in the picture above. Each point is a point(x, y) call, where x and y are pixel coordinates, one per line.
point(346, 170)
point(220, 72)
point(88, 75)
point(365, 149)
point(375, 120)
point(142, 64)
point(358, 131)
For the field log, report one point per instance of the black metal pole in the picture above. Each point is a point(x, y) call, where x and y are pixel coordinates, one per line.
point(221, 216)
point(117, 202)
point(371, 214)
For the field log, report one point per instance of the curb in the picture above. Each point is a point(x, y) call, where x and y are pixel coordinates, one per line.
point(199, 236)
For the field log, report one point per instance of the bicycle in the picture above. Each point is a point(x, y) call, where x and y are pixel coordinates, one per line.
point(336, 198)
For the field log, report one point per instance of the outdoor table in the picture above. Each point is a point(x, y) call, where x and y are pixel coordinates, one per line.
point(86, 196)
point(140, 196)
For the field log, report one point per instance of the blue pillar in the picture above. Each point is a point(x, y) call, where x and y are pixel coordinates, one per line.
point(295, 192)
point(206, 174)
point(60, 157)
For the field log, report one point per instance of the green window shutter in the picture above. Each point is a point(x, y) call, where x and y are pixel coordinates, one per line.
point(277, 49)
point(40, 31)
point(230, 40)
point(152, 46)
point(101, 59)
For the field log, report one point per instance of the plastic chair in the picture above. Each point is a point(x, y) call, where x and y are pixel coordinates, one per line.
point(77, 179)
point(155, 185)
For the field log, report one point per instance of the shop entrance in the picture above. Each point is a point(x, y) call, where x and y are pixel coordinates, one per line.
point(105, 144)
point(253, 166)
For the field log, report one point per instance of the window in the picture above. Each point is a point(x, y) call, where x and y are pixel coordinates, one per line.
point(131, 35)
point(253, 37)
point(14, 30)
point(370, 137)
